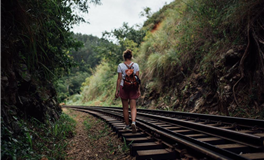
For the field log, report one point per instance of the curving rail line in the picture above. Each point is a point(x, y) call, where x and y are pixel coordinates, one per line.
point(181, 135)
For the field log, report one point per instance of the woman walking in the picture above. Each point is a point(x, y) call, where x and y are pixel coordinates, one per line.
point(128, 95)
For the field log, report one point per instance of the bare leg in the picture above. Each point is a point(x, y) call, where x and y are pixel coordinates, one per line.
point(133, 109)
point(125, 111)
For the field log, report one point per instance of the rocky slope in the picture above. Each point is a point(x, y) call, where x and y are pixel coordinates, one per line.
point(24, 96)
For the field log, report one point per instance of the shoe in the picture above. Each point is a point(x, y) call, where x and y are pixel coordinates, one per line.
point(126, 127)
point(134, 128)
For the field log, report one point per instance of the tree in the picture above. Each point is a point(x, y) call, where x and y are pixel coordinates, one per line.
point(37, 33)
point(127, 37)
point(146, 12)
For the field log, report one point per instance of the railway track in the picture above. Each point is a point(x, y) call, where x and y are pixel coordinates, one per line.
point(180, 135)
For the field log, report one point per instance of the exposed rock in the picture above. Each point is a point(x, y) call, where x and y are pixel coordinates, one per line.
point(23, 97)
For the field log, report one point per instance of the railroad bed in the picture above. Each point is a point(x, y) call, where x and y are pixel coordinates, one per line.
point(180, 135)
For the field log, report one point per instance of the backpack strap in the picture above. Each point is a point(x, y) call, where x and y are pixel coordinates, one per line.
point(128, 66)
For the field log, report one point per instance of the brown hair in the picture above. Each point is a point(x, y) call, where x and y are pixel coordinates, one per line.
point(127, 54)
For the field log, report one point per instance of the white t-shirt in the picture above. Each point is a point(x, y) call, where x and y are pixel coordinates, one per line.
point(122, 69)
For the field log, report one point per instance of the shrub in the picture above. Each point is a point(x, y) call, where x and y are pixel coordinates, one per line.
point(34, 140)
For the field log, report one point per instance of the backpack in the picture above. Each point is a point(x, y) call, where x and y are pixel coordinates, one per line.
point(131, 80)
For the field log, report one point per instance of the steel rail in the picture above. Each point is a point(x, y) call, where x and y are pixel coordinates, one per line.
point(216, 118)
point(248, 139)
point(237, 137)
point(207, 149)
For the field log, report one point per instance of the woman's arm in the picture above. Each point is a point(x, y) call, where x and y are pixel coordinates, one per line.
point(119, 78)
point(139, 93)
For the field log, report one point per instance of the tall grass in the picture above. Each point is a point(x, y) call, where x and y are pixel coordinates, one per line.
point(191, 32)
point(101, 85)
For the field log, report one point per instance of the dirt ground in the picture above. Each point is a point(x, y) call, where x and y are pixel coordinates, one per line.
point(94, 140)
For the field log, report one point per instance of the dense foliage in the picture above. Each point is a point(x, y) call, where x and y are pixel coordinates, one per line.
point(38, 140)
point(40, 37)
point(86, 59)
point(203, 50)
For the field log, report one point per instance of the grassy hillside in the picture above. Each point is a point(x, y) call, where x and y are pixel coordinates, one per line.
point(197, 56)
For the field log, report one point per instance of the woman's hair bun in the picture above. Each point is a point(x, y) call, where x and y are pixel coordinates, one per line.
point(127, 54)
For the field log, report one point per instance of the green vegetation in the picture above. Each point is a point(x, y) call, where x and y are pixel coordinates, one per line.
point(91, 124)
point(87, 124)
point(191, 39)
point(98, 89)
point(43, 41)
point(184, 47)
point(108, 144)
point(36, 51)
point(126, 147)
point(86, 59)
point(98, 85)
point(198, 56)
point(34, 139)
